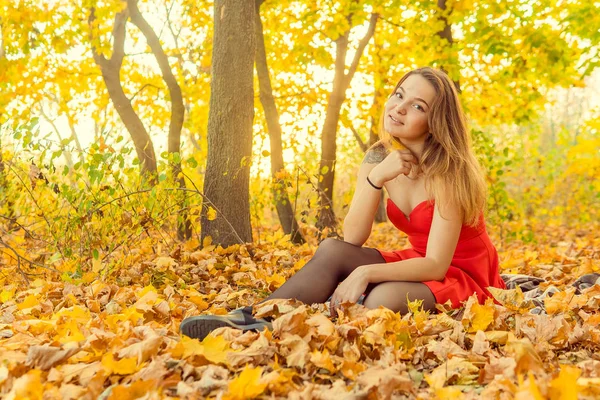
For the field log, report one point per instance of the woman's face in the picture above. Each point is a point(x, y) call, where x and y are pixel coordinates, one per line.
point(406, 112)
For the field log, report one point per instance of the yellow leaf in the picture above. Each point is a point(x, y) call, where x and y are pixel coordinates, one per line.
point(136, 390)
point(28, 386)
point(396, 145)
point(449, 392)
point(564, 386)
point(351, 369)
point(30, 301)
point(96, 265)
point(199, 302)
point(125, 366)
point(482, 317)
point(275, 280)
point(322, 360)
point(130, 314)
point(213, 348)
point(6, 295)
point(211, 214)
point(477, 317)
point(247, 385)
point(69, 332)
point(76, 313)
point(512, 299)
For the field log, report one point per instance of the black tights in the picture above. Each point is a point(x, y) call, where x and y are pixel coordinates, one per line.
point(333, 261)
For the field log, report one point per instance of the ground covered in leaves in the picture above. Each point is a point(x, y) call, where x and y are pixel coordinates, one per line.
point(112, 332)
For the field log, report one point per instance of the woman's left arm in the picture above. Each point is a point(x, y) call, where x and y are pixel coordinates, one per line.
point(441, 245)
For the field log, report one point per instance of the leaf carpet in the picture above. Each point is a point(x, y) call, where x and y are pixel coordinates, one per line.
point(112, 332)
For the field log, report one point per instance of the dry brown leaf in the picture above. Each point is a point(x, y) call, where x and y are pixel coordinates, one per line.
point(386, 381)
point(503, 367)
point(480, 345)
point(522, 351)
point(143, 350)
point(455, 371)
point(295, 350)
point(46, 356)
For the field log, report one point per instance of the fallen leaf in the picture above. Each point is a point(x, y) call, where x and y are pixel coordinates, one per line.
point(47, 356)
point(247, 385)
point(124, 366)
point(564, 386)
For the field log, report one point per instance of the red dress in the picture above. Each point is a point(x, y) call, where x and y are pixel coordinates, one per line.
point(474, 266)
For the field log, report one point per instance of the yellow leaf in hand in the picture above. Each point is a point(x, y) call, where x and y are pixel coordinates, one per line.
point(396, 145)
point(247, 385)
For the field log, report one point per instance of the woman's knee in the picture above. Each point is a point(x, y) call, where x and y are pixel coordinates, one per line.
point(397, 295)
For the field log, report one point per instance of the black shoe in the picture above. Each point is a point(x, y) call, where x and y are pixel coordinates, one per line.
point(200, 326)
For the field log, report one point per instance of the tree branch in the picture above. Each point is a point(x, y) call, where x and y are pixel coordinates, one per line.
point(361, 47)
point(361, 143)
point(177, 108)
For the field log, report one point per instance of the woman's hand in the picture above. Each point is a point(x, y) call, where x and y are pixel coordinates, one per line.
point(350, 289)
point(396, 163)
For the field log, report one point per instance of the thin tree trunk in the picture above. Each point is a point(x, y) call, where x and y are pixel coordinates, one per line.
point(184, 226)
point(111, 69)
point(226, 182)
point(341, 81)
point(446, 33)
point(282, 201)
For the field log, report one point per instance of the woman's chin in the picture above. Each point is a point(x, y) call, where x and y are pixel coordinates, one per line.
point(392, 130)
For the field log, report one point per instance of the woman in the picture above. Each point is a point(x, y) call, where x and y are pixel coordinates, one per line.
point(436, 196)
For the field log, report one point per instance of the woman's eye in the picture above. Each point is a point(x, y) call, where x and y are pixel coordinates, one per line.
point(399, 95)
point(418, 107)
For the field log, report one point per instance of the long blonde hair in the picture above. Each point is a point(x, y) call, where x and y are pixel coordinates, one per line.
point(449, 166)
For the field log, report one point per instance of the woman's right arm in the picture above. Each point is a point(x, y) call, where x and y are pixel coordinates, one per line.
point(380, 166)
point(359, 220)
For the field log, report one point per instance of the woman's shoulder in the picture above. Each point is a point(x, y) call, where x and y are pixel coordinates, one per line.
point(376, 153)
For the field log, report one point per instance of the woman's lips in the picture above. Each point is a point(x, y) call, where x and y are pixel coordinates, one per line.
point(395, 121)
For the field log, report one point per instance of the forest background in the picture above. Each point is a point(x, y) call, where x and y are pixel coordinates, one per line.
point(136, 134)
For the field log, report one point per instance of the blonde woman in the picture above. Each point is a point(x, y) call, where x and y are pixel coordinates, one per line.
point(436, 191)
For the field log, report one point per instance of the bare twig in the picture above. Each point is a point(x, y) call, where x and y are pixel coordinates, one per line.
point(18, 260)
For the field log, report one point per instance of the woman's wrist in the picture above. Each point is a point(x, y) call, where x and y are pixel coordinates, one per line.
point(374, 186)
point(374, 180)
point(365, 272)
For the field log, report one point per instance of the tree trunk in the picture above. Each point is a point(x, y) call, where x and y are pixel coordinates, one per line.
point(184, 226)
point(282, 201)
point(446, 33)
point(111, 69)
point(341, 81)
point(230, 119)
